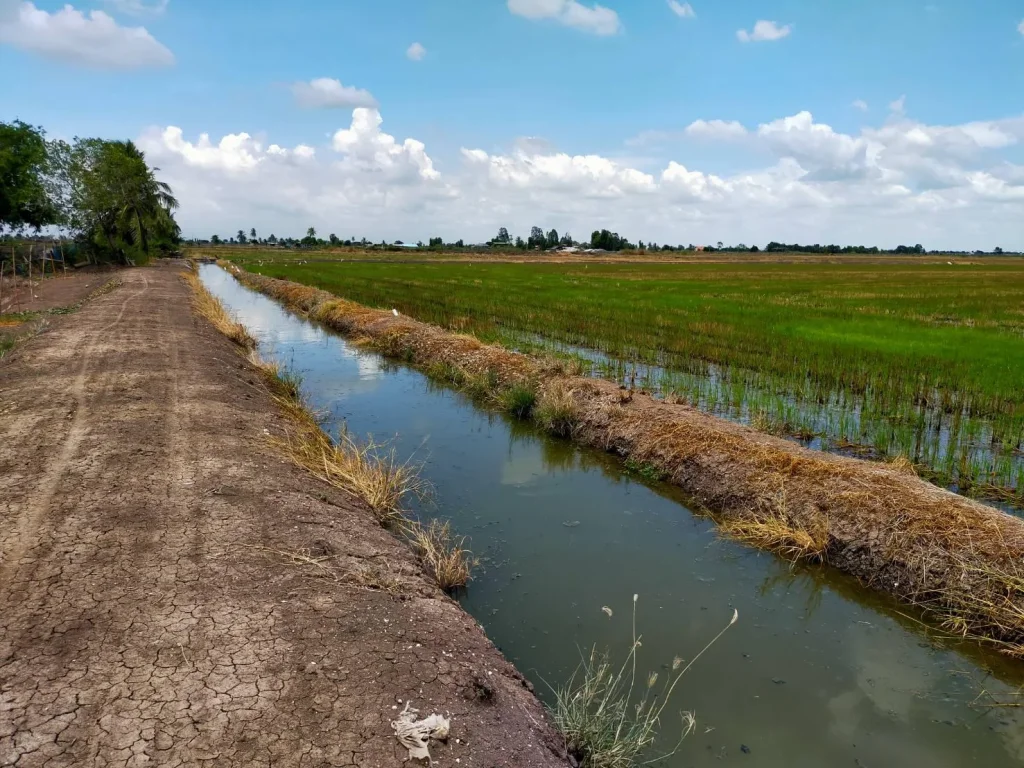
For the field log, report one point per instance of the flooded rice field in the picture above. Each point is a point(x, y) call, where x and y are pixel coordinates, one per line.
point(818, 671)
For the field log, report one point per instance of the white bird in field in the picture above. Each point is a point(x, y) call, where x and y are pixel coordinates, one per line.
point(394, 312)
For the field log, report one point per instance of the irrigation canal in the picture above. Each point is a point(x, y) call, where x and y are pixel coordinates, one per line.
point(818, 671)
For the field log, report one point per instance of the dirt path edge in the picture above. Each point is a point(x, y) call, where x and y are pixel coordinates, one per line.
point(160, 603)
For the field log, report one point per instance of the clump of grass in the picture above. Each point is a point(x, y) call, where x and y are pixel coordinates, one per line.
point(442, 370)
point(610, 719)
point(763, 422)
point(776, 534)
point(365, 469)
point(557, 411)
point(519, 400)
point(481, 386)
point(207, 305)
point(444, 553)
point(645, 469)
point(902, 464)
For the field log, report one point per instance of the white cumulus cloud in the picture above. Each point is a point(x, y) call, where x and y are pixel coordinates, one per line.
point(95, 40)
point(682, 10)
point(596, 19)
point(416, 52)
point(368, 148)
point(764, 31)
point(899, 105)
point(901, 182)
point(716, 129)
point(329, 93)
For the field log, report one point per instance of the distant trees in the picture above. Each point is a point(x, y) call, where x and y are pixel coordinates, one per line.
point(333, 239)
point(502, 238)
point(272, 239)
point(536, 238)
point(609, 241)
point(215, 240)
point(240, 237)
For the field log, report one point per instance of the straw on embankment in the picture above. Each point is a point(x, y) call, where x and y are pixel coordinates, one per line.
point(959, 559)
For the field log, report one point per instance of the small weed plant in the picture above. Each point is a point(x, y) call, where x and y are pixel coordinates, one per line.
point(609, 718)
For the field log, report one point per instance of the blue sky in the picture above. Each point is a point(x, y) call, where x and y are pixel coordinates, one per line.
point(621, 82)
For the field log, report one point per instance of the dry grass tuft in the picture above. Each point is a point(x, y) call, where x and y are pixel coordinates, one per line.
point(207, 305)
point(772, 528)
point(367, 470)
point(556, 410)
point(444, 553)
point(777, 535)
point(904, 465)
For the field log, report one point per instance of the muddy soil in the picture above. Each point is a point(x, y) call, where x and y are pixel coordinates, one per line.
point(174, 593)
point(63, 290)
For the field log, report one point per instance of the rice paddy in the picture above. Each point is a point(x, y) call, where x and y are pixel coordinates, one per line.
point(922, 361)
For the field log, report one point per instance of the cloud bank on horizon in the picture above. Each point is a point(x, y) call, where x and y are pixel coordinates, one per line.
point(786, 176)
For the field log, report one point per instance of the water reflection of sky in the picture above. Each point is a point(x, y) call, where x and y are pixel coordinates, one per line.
point(816, 673)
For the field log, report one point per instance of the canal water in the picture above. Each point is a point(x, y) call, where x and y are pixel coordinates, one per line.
point(817, 672)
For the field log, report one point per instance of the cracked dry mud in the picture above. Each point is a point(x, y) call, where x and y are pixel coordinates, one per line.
point(150, 611)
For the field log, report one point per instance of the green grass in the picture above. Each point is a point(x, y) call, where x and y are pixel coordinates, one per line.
point(922, 359)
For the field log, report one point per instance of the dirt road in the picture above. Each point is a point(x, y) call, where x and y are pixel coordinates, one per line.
point(153, 606)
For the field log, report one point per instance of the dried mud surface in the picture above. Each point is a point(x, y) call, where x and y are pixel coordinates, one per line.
point(153, 606)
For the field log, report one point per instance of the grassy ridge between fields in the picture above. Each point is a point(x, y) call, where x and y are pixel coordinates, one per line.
point(956, 558)
point(923, 360)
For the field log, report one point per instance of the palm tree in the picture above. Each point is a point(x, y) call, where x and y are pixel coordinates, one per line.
point(311, 233)
point(146, 203)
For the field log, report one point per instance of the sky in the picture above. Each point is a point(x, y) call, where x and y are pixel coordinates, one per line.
point(878, 122)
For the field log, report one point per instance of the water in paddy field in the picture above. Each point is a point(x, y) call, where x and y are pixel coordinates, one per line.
point(818, 672)
point(947, 446)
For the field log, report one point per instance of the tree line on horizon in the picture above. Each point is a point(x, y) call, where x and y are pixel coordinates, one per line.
point(602, 240)
point(100, 194)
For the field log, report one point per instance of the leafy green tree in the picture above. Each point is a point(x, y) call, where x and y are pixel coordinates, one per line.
point(503, 237)
point(333, 239)
point(272, 239)
point(24, 199)
point(215, 240)
point(116, 205)
point(252, 235)
point(240, 237)
point(551, 241)
point(311, 233)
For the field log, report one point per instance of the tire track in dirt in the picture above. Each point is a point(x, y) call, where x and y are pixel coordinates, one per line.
point(42, 495)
